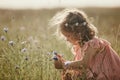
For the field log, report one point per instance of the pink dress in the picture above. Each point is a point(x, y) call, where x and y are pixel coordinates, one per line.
point(104, 64)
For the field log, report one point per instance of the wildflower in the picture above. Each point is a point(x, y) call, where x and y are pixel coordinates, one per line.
point(11, 43)
point(26, 58)
point(3, 38)
point(54, 55)
point(5, 29)
point(54, 52)
point(55, 58)
point(24, 50)
point(17, 67)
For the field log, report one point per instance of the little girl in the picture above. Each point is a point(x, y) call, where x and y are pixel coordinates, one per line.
point(94, 58)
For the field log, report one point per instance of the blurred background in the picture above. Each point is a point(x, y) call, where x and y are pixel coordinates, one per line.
point(27, 40)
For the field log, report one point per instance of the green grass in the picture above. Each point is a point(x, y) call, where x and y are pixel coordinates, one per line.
point(32, 26)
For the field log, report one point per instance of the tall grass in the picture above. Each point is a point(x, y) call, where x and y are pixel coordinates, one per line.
point(27, 57)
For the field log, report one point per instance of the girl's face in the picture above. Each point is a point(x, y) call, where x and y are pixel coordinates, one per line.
point(70, 38)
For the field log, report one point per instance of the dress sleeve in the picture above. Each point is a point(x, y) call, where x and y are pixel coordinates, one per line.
point(76, 50)
point(95, 43)
point(92, 48)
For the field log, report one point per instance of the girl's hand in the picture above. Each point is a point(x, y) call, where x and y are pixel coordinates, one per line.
point(58, 62)
point(67, 64)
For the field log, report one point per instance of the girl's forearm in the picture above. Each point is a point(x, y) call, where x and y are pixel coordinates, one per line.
point(74, 65)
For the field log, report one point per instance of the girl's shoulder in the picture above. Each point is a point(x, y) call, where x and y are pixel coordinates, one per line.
point(96, 43)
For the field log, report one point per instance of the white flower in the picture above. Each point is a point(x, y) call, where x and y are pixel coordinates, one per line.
point(11, 43)
point(76, 24)
point(5, 29)
point(24, 50)
point(84, 23)
point(3, 38)
point(54, 52)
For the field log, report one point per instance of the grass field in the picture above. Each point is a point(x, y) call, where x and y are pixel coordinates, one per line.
point(26, 41)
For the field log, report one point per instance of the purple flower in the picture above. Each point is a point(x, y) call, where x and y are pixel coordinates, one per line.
point(11, 43)
point(26, 58)
point(5, 29)
point(55, 58)
point(24, 50)
point(54, 52)
point(3, 38)
point(17, 67)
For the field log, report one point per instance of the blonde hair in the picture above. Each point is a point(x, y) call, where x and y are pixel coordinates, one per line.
point(76, 22)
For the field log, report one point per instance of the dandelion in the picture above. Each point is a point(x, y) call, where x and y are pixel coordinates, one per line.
point(5, 29)
point(11, 43)
point(3, 38)
point(24, 50)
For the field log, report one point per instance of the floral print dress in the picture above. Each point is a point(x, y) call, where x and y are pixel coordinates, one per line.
point(102, 63)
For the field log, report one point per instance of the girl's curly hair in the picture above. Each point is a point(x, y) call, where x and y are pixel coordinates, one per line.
point(76, 22)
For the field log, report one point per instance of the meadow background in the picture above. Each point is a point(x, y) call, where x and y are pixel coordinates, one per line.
point(25, 48)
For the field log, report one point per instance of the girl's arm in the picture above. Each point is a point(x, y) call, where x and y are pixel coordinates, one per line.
point(59, 62)
point(89, 53)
